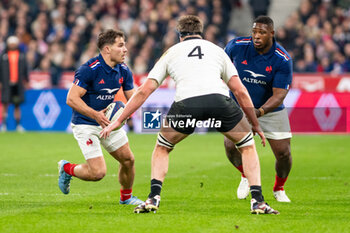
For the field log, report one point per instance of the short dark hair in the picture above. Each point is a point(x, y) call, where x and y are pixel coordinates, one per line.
point(189, 25)
point(264, 20)
point(108, 37)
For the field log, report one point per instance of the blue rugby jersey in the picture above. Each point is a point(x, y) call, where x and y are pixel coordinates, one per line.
point(101, 83)
point(260, 73)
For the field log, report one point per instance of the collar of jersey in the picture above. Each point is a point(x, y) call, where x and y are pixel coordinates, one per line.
point(192, 38)
point(107, 68)
point(265, 55)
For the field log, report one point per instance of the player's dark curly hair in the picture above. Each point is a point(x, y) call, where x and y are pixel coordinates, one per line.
point(189, 25)
point(264, 20)
point(108, 37)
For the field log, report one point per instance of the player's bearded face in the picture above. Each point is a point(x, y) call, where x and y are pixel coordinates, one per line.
point(262, 37)
point(118, 50)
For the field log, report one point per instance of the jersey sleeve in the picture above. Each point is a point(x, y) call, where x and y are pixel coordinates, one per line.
point(159, 71)
point(229, 68)
point(83, 76)
point(283, 76)
point(128, 83)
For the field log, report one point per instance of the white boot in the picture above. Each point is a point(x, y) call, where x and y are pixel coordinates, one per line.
point(281, 196)
point(243, 188)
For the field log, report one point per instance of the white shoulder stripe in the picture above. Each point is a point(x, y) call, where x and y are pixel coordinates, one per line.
point(283, 55)
point(93, 66)
point(243, 42)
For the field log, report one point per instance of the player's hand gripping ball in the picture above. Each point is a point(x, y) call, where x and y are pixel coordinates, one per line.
point(114, 110)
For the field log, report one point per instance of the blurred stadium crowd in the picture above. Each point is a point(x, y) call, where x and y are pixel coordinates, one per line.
point(60, 35)
point(317, 36)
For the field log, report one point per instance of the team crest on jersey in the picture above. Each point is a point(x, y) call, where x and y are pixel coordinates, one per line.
point(244, 62)
point(268, 69)
point(121, 80)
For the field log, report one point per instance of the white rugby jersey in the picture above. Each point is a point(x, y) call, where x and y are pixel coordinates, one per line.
point(197, 66)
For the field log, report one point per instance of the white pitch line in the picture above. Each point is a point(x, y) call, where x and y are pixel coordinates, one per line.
point(38, 194)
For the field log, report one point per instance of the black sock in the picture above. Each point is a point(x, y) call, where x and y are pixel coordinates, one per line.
point(256, 193)
point(156, 187)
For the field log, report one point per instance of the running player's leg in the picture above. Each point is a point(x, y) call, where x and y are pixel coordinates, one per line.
point(235, 158)
point(126, 174)
point(241, 135)
point(167, 139)
point(93, 170)
point(277, 131)
point(233, 154)
point(95, 167)
point(126, 168)
point(117, 145)
point(250, 158)
point(283, 165)
point(281, 150)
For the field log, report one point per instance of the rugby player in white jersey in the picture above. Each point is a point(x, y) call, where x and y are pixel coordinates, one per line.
point(202, 72)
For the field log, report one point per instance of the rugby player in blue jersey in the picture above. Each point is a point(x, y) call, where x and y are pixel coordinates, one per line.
point(95, 84)
point(265, 69)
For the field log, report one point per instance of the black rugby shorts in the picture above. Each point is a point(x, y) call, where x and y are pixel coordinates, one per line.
point(213, 107)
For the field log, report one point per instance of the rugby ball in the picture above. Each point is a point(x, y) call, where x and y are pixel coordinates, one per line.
point(114, 110)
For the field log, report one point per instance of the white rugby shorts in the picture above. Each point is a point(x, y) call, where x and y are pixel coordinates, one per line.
point(275, 125)
point(90, 142)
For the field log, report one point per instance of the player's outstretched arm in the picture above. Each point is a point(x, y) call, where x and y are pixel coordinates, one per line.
point(140, 96)
point(74, 101)
point(128, 94)
point(244, 100)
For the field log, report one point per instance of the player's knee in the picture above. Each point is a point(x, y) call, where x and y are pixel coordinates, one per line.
point(229, 145)
point(128, 162)
point(163, 143)
point(98, 175)
point(247, 140)
point(284, 155)
point(162, 148)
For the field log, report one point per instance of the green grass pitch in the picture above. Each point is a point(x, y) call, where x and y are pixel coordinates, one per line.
point(199, 193)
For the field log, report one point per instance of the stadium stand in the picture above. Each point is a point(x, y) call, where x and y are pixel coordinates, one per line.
point(317, 36)
point(59, 35)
